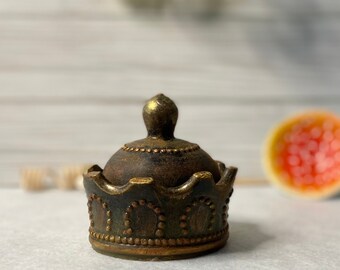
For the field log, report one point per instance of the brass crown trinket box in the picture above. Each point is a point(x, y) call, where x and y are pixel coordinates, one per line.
point(159, 198)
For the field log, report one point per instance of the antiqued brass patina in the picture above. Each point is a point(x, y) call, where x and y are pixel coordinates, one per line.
point(160, 197)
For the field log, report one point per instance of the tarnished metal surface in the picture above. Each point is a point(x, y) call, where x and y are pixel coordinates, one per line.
point(159, 197)
point(168, 160)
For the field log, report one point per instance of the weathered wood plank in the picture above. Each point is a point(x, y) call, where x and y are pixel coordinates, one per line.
point(43, 46)
point(61, 134)
point(121, 120)
point(121, 60)
point(15, 8)
point(225, 86)
point(117, 8)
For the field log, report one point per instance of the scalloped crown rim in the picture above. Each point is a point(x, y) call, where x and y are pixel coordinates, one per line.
point(226, 181)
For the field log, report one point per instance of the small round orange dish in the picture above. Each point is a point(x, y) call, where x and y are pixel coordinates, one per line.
point(302, 155)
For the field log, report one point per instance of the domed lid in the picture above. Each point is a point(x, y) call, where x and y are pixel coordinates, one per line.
point(168, 160)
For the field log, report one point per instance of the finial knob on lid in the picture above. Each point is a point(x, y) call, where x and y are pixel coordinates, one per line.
point(160, 115)
point(168, 160)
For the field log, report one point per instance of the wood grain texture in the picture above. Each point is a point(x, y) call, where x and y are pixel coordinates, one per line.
point(74, 76)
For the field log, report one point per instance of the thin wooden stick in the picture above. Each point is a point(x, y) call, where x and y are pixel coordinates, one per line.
point(251, 182)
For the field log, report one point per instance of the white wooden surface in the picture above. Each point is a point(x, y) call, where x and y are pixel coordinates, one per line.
point(49, 230)
point(74, 76)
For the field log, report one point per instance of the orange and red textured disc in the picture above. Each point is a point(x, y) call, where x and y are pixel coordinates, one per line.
point(302, 154)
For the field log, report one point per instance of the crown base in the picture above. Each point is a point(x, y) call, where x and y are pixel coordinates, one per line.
point(146, 221)
point(158, 253)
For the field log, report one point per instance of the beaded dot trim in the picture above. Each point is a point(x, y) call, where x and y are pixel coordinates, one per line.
point(225, 214)
point(203, 201)
point(226, 208)
point(143, 203)
point(161, 150)
point(158, 241)
point(92, 198)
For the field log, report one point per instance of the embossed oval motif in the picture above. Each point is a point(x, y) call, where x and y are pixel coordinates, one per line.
point(199, 217)
point(99, 213)
point(144, 219)
point(199, 220)
point(143, 222)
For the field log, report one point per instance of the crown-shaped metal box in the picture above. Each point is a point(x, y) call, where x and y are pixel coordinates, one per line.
point(159, 198)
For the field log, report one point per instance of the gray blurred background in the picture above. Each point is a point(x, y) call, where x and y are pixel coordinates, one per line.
point(74, 74)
